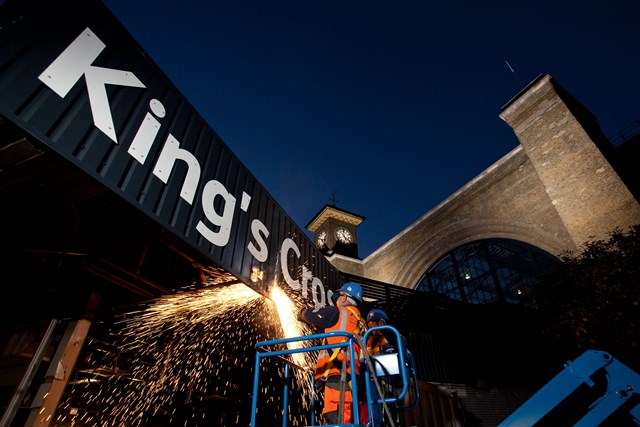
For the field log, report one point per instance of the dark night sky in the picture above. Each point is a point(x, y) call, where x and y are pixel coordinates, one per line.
point(392, 106)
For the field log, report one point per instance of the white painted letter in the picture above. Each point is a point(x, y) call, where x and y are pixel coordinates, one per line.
point(171, 152)
point(75, 62)
point(212, 189)
point(288, 244)
point(147, 132)
point(317, 289)
point(257, 230)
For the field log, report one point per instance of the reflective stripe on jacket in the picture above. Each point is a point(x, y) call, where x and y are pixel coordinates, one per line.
point(329, 363)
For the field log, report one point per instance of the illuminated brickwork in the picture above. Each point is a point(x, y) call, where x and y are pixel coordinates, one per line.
point(556, 190)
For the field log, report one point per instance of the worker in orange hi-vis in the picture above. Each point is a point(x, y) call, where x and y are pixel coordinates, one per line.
point(383, 342)
point(344, 316)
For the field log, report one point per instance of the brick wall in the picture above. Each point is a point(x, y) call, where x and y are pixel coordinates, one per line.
point(555, 190)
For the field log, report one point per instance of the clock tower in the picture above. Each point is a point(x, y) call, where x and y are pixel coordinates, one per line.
point(334, 231)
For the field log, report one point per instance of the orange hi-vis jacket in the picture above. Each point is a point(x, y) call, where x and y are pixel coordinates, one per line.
point(330, 361)
point(377, 343)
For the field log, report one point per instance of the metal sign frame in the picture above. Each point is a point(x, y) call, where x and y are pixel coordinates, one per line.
point(74, 78)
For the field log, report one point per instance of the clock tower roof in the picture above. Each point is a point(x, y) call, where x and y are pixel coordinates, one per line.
point(331, 211)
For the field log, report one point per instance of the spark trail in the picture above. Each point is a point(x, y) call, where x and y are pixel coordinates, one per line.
point(183, 348)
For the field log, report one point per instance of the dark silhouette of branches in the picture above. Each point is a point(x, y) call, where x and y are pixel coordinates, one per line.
point(594, 300)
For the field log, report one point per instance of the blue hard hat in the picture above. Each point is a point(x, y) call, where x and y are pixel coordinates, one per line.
point(352, 289)
point(377, 314)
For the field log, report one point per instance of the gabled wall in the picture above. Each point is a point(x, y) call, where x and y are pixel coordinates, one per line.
point(556, 190)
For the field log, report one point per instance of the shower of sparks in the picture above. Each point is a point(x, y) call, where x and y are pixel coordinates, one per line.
point(190, 348)
point(288, 314)
point(287, 310)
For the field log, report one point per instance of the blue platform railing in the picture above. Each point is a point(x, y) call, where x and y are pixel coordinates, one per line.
point(393, 365)
point(618, 387)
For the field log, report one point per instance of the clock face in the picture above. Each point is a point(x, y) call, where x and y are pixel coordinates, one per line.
point(343, 235)
point(322, 239)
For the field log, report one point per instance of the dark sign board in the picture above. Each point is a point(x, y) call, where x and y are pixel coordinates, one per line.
point(74, 78)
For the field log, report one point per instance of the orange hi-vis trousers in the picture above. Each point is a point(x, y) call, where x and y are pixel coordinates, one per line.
point(332, 404)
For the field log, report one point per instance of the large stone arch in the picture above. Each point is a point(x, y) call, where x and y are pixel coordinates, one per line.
point(426, 255)
point(507, 200)
point(555, 190)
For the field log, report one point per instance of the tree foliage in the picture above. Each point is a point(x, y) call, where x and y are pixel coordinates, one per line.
point(593, 301)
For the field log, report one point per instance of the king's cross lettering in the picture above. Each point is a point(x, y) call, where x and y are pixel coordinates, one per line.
point(76, 62)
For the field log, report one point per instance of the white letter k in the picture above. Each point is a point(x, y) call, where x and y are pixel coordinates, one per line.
point(75, 62)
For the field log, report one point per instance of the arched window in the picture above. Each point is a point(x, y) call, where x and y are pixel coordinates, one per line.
point(488, 271)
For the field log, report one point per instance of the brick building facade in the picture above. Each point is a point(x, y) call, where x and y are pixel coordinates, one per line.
point(564, 184)
point(558, 189)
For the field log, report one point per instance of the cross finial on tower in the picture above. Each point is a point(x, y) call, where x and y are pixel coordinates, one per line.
point(333, 199)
